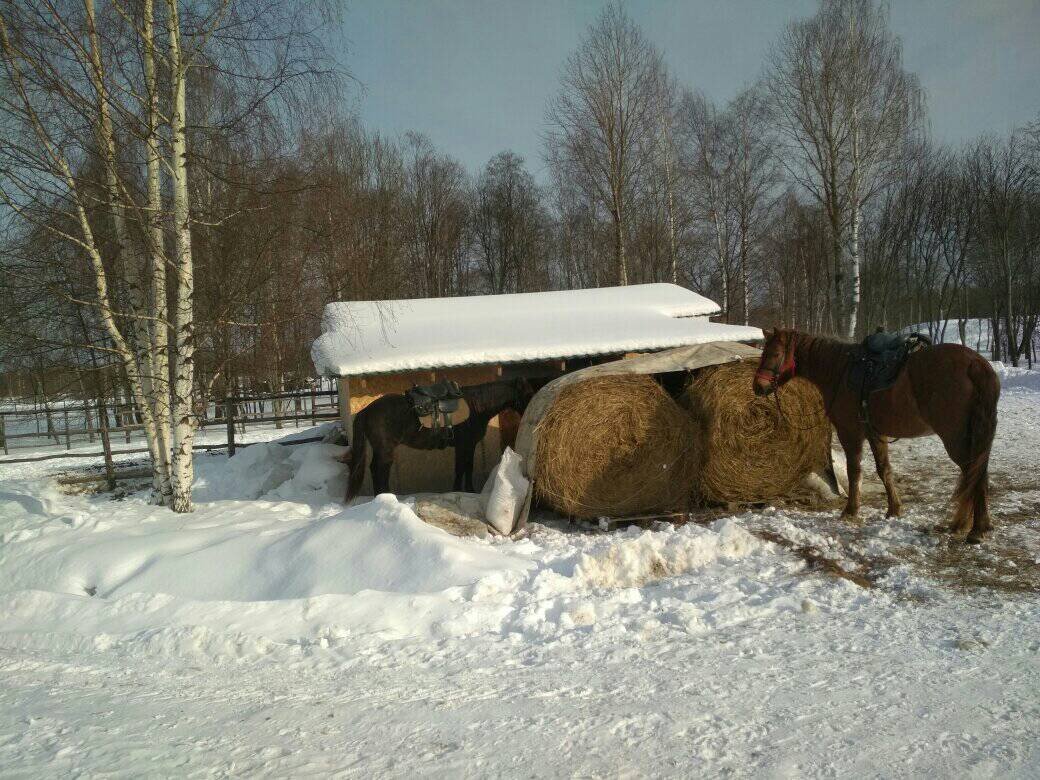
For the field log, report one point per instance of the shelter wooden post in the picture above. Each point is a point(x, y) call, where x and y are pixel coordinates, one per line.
point(344, 408)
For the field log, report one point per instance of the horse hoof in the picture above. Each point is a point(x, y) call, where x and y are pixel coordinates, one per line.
point(973, 539)
point(894, 513)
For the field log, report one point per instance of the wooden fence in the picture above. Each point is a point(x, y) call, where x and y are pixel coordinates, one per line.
point(100, 422)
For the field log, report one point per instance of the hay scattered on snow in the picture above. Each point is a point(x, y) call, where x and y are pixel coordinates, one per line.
point(753, 450)
point(615, 446)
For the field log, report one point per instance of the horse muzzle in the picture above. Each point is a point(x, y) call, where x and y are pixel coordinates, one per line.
point(764, 383)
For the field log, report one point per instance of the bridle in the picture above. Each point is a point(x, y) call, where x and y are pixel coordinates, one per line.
point(775, 376)
point(785, 372)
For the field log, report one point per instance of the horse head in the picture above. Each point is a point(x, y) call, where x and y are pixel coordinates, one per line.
point(777, 364)
point(524, 393)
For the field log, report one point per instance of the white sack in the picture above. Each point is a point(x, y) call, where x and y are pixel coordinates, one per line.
point(505, 499)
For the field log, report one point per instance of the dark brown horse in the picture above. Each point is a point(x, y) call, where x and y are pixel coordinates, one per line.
point(947, 390)
point(391, 420)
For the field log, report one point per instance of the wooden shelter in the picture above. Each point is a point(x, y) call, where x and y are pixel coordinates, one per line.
point(378, 347)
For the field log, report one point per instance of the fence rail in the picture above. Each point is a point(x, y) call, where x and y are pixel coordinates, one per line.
point(58, 426)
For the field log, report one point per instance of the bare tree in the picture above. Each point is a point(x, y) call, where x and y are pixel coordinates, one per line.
point(709, 165)
point(755, 176)
point(1007, 261)
point(602, 123)
point(436, 215)
point(509, 226)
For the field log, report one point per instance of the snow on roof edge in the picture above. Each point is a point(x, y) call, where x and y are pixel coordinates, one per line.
point(366, 338)
point(742, 334)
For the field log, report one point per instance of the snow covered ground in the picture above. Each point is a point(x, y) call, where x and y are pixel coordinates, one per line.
point(277, 632)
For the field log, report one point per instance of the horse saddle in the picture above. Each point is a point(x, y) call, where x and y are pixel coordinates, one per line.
point(440, 398)
point(879, 360)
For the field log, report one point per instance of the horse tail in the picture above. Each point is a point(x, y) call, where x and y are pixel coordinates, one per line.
point(358, 451)
point(982, 427)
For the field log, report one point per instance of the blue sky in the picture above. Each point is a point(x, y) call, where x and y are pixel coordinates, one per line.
point(475, 75)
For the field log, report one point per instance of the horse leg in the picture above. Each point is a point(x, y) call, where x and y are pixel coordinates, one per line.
point(381, 473)
point(879, 446)
point(983, 426)
point(852, 443)
point(464, 465)
point(958, 447)
point(469, 468)
point(460, 463)
point(983, 523)
point(971, 520)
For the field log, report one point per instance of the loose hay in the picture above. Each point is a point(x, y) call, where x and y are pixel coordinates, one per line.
point(755, 449)
point(615, 446)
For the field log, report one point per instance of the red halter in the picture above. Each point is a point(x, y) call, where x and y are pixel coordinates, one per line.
point(786, 371)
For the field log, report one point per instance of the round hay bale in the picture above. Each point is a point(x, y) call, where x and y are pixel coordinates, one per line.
point(755, 449)
point(615, 446)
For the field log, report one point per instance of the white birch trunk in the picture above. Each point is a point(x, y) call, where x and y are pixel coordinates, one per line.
point(183, 412)
point(723, 266)
point(138, 331)
point(854, 203)
point(136, 352)
point(745, 293)
point(670, 192)
point(156, 244)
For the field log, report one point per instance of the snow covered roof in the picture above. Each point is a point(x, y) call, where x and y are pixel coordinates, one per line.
point(373, 337)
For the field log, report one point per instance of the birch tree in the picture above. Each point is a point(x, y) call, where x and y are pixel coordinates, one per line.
point(98, 145)
point(847, 113)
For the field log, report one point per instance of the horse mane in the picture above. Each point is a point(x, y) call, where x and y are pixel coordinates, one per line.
point(491, 397)
point(824, 357)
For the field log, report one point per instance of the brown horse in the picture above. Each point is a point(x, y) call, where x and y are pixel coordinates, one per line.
point(948, 390)
point(391, 420)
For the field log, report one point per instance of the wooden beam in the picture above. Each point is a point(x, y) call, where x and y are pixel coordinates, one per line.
point(345, 414)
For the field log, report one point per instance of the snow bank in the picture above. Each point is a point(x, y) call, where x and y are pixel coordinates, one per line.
point(363, 337)
point(270, 526)
point(654, 556)
point(380, 546)
point(272, 555)
point(1012, 378)
point(977, 333)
